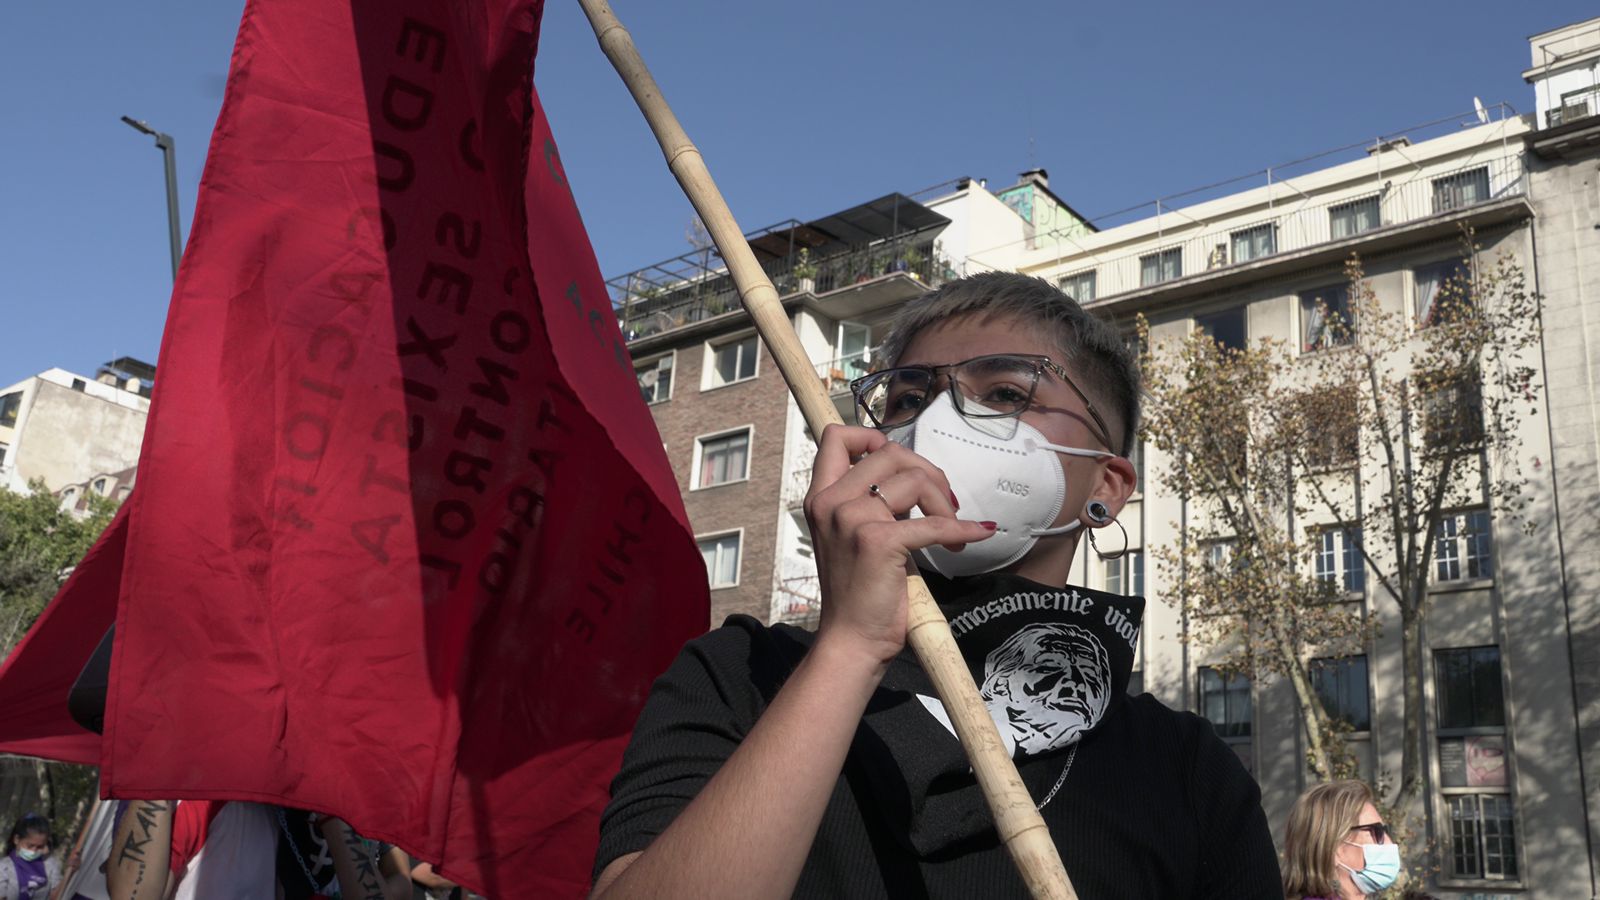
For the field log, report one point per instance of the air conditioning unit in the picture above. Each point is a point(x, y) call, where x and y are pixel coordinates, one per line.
point(1573, 111)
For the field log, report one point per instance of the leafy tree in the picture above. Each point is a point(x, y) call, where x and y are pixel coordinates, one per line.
point(1229, 419)
point(1385, 421)
point(39, 545)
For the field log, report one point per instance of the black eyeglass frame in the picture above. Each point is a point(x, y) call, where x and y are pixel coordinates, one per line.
point(1041, 365)
point(1380, 832)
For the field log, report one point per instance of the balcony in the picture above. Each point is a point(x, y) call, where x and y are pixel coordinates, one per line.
point(1202, 251)
point(800, 601)
point(889, 242)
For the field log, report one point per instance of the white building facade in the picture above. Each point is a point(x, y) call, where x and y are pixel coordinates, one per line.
point(1507, 625)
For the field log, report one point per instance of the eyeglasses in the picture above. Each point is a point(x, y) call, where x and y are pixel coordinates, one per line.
point(1380, 832)
point(997, 386)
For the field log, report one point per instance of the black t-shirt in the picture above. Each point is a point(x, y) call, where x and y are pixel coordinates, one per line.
point(1153, 805)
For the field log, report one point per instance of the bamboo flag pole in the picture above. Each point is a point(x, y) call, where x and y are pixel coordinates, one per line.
point(1016, 819)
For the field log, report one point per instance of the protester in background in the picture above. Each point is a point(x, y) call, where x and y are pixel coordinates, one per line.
point(1336, 846)
point(222, 850)
point(28, 871)
point(308, 860)
point(770, 761)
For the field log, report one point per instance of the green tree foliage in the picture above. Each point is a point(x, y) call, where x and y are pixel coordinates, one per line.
point(39, 545)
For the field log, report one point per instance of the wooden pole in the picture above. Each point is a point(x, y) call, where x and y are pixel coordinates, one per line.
point(1016, 819)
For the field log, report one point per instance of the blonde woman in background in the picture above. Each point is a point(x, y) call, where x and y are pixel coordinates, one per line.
point(1336, 846)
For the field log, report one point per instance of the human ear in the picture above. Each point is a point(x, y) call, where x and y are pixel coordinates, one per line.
point(1117, 482)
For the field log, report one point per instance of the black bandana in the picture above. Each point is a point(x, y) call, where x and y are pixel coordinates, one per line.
point(1053, 664)
point(1048, 661)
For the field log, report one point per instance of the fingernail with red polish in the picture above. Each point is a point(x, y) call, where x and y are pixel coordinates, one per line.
point(953, 501)
point(989, 525)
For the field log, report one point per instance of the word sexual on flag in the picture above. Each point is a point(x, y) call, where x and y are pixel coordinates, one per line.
point(405, 548)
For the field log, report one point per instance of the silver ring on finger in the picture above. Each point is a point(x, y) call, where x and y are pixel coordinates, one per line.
point(877, 491)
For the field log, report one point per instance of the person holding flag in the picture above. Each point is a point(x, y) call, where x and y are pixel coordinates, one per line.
point(777, 762)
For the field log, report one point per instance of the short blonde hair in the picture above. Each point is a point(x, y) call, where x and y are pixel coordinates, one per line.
point(1320, 820)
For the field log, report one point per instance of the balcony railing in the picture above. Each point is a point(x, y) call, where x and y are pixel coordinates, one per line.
point(646, 310)
point(796, 485)
point(800, 601)
point(837, 373)
point(1397, 197)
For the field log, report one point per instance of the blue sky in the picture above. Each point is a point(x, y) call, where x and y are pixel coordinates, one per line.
point(800, 110)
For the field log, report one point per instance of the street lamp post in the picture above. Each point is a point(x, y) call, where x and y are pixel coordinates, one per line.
point(169, 153)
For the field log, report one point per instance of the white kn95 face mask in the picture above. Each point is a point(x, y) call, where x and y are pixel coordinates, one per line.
point(1002, 470)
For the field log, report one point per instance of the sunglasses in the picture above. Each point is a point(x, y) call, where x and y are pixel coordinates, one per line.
point(1380, 832)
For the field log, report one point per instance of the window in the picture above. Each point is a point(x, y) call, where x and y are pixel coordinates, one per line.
point(78, 384)
point(10, 404)
point(855, 349)
point(1453, 413)
point(1341, 685)
point(1125, 574)
point(1464, 546)
point(99, 486)
point(733, 362)
point(1080, 287)
point(1330, 427)
point(655, 379)
point(1325, 319)
point(1441, 288)
point(1469, 689)
point(1354, 217)
point(1219, 555)
point(1460, 189)
point(1162, 266)
point(1472, 763)
point(1226, 703)
point(1254, 243)
point(1483, 838)
point(721, 554)
point(1227, 327)
point(1337, 559)
point(1136, 456)
point(722, 459)
point(3, 449)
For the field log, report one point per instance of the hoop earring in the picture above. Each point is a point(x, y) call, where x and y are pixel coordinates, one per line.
point(1099, 514)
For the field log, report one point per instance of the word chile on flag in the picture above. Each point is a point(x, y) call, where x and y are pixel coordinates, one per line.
point(406, 547)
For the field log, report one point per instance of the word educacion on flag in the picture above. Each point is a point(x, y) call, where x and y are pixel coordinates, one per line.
point(406, 108)
point(406, 547)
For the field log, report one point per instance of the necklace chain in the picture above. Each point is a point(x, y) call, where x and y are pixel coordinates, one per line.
point(283, 823)
point(1071, 755)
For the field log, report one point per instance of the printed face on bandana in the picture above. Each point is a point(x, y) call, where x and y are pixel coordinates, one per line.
point(1050, 682)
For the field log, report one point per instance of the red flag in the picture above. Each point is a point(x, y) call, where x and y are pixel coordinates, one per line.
point(407, 549)
point(39, 673)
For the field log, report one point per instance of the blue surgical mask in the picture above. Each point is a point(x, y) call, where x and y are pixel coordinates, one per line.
point(1381, 866)
point(29, 855)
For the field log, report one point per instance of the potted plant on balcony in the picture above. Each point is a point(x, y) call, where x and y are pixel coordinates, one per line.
point(913, 259)
point(805, 272)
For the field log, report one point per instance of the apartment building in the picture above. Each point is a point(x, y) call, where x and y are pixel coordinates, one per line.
point(75, 433)
point(1513, 621)
point(736, 440)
